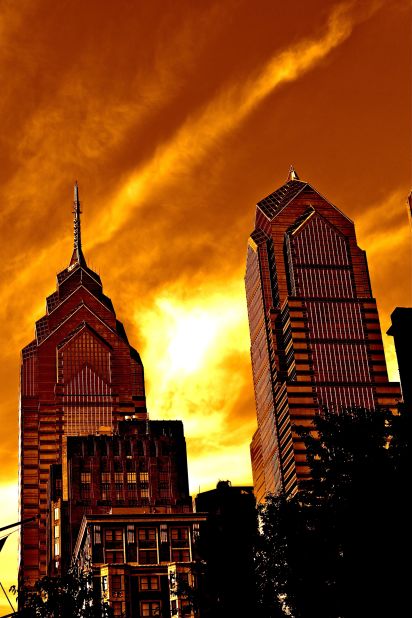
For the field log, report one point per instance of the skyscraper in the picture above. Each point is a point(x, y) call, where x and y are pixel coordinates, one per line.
point(79, 376)
point(314, 327)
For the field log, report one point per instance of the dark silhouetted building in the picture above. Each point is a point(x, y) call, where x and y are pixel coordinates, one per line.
point(226, 545)
point(314, 327)
point(401, 331)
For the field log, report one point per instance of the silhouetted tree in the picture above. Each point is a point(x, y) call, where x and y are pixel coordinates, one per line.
point(338, 547)
point(68, 596)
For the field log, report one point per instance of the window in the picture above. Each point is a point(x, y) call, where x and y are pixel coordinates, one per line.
point(116, 582)
point(174, 608)
point(150, 608)
point(164, 484)
point(104, 583)
point(148, 556)
point(115, 557)
point(131, 480)
point(147, 537)
point(105, 476)
point(97, 535)
point(143, 477)
point(147, 545)
point(130, 534)
point(117, 608)
point(180, 544)
point(114, 538)
point(196, 531)
point(56, 514)
point(180, 555)
point(163, 533)
point(85, 480)
point(180, 537)
point(149, 582)
point(131, 484)
point(118, 485)
point(59, 486)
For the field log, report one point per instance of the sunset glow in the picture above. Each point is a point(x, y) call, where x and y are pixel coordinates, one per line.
point(176, 118)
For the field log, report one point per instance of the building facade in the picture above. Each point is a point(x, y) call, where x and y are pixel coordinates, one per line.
point(142, 564)
point(314, 327)
point(79, 376)
point(142, 468)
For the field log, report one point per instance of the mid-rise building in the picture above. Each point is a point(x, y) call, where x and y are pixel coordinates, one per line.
point(314, 327)
point(142, 564)
point(142, 468)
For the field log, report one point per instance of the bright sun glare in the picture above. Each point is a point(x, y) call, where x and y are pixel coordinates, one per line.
point(192, 333)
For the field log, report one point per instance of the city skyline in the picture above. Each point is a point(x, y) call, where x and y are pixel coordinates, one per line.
point(177, 120)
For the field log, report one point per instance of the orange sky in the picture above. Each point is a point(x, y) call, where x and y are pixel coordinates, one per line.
point(176, 118)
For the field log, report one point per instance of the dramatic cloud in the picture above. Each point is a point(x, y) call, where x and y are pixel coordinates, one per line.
point(176, 118)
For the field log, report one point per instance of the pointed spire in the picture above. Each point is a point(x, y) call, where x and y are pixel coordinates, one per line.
point(292, 174)
point(77, 257)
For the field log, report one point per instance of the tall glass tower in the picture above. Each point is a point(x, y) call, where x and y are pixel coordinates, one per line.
point(314, 327)
point(79, 376)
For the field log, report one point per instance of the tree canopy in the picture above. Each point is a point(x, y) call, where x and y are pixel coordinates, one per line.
point(338, 548)
point(62, 597)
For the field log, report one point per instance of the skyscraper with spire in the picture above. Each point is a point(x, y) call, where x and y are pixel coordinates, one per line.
point(314, 327)
point(79, 376)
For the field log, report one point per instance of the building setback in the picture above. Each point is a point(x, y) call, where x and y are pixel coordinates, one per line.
point(314, 327)
point(140, 469)
point(79, 376)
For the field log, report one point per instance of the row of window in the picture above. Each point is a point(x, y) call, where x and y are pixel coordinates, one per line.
point(147, 608)
point(146, 537)
point(131, 477)
point(145, 556)
point(126, 447)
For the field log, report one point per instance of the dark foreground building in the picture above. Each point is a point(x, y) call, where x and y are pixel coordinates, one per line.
point(226, 545)
point(401, 331)
point(314, 327)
